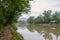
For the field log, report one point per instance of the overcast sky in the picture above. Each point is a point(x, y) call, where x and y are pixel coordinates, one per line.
point(38, 6)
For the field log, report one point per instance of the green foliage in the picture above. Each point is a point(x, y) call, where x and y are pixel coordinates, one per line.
point(30, 19)
point(47, 17)
point(11, 9)
point(56, 17)
point(39, 19)
point(2, 21)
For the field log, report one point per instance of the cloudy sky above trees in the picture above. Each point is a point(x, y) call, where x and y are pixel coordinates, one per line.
point(38, 6)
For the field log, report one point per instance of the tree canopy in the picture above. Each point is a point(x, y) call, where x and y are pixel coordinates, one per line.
point(47, 17)
point(30, 19)
point(11, 9)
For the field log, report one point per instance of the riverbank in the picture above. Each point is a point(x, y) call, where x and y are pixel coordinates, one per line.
point(46, 25)
point(9, 33)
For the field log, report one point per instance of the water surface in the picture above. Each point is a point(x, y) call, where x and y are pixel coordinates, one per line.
point(40, 32)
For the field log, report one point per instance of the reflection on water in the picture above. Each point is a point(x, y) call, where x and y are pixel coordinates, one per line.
point(40, 32)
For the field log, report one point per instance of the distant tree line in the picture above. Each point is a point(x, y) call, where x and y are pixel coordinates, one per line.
point(47, 17)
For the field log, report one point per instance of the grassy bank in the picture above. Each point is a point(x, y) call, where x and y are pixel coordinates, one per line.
point(15, 35)
point(9, 33)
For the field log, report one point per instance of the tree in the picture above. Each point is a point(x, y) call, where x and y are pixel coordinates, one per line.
point(56, 17)
point(47, 16)
point(30, 19)
point(39, 19)
point(11, 9)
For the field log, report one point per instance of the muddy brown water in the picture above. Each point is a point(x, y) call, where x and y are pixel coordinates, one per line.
point(40, 32)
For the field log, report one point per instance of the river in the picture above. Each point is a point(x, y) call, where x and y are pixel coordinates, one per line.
point(40, 32)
